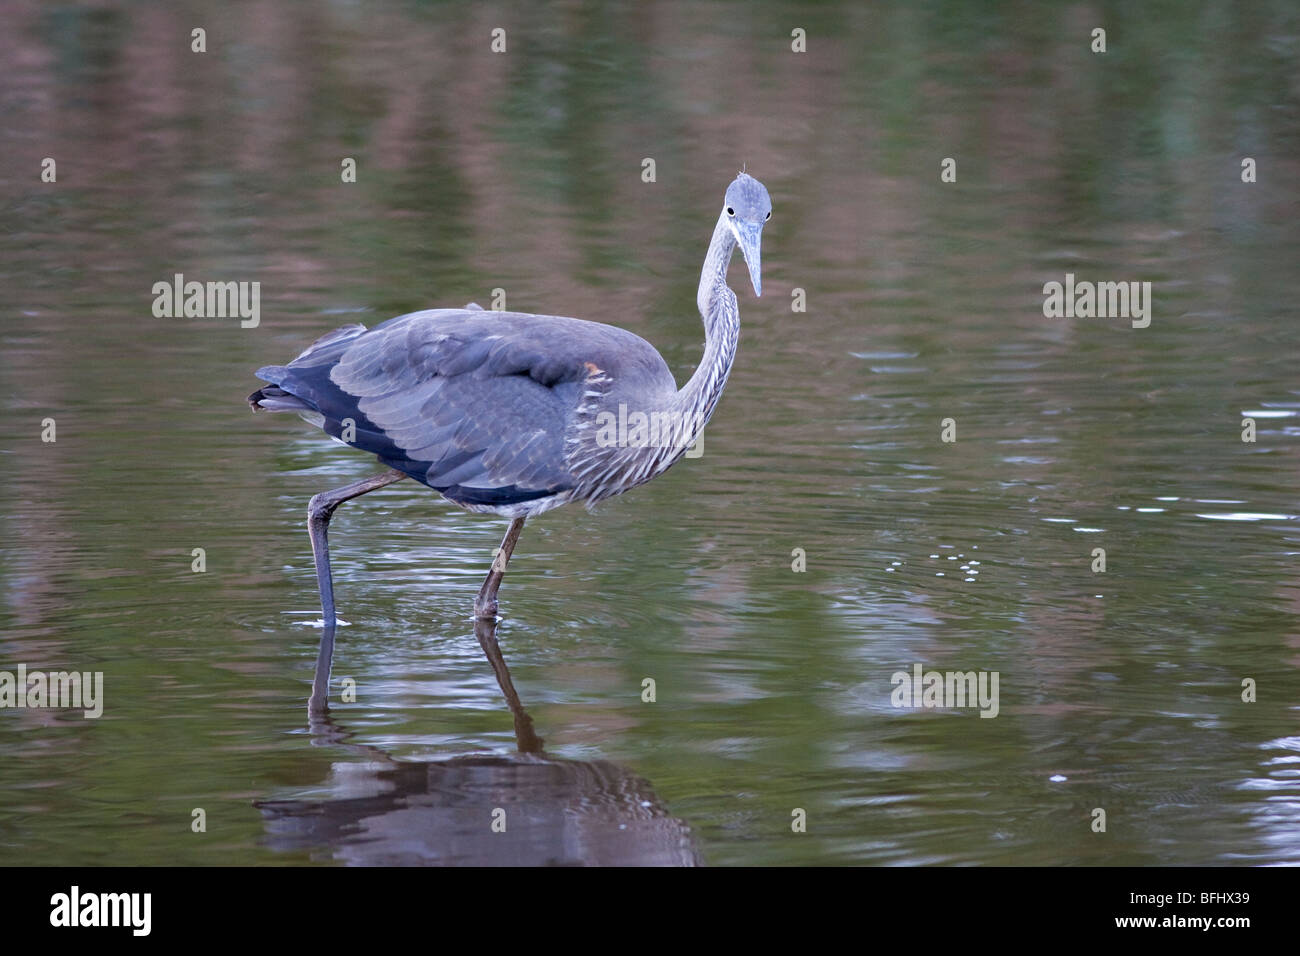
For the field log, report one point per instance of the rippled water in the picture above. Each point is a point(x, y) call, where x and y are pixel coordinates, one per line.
point(1119, 690)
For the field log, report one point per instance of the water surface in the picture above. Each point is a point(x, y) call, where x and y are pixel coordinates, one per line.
point(1120, 690)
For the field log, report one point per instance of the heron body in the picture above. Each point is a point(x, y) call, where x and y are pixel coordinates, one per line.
point(496, 411)
point(512, 413)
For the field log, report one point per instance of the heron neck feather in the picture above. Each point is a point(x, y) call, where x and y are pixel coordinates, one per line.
point(717, 305)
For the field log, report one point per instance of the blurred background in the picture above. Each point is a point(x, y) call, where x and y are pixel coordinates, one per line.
point(522, 171)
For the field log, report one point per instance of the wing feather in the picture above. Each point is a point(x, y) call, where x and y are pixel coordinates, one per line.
point(471, 402)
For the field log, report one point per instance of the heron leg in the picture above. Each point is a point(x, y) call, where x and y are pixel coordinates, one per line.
point(485, 605)
point(319, 510)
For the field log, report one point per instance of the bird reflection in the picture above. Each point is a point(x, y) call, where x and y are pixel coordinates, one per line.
point(522, 809)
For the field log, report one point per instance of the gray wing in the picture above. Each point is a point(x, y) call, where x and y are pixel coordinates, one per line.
point(473, 403)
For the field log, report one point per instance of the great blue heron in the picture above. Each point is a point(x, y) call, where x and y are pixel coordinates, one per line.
point(511, 413)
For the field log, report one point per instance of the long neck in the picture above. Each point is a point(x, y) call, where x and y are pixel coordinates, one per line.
point(717, 305)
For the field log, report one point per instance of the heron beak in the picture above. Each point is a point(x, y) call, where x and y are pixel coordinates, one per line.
point(748, 237)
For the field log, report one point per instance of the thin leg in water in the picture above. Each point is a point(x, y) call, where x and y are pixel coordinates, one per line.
point(485, 605)
point(319, 511)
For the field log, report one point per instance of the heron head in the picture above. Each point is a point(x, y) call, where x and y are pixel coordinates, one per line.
point(748, 208)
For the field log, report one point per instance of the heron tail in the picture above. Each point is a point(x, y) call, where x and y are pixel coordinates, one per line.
point(272, 398)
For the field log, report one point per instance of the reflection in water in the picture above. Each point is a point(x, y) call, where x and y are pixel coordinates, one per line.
point(524, 809)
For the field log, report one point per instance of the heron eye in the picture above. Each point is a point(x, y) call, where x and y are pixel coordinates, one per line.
point(768, 216)
point(730, 211)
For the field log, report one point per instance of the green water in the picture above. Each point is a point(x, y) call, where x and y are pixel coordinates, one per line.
point(1120, 690)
